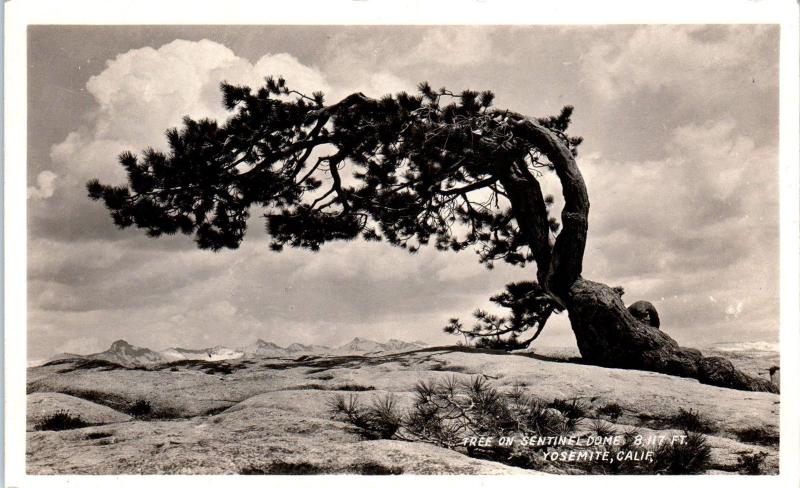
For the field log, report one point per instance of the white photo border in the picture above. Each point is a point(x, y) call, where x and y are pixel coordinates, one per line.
point(19, 14)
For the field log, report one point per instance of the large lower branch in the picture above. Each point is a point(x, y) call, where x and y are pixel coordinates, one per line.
point(530, 212)
point(609, 335)
point(567, 257)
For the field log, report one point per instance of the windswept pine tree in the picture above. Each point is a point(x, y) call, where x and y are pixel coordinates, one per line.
point(436, 168)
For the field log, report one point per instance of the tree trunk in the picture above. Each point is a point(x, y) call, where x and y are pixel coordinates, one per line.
point(608, 335)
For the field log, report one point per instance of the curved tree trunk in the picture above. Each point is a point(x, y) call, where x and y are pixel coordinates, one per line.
point(608, 335)
point(606, 332)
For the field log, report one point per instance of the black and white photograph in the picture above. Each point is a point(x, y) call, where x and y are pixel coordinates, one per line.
point(351, 249)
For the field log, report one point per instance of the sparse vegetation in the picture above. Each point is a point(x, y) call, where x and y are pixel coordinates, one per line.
point(446, 412)
point(692, 421)
point(97, 435)
point(601, 428)
point(61, 420)
point(611, 410)
point(758, 435)
point(380, 420)
point(689, 457)
point(342, 387)
point(303, 468)
point(442, 366)
point(751, 463)
point(140, 408)
point(573, 409)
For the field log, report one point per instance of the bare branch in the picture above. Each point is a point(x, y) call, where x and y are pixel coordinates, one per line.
point(471, 187)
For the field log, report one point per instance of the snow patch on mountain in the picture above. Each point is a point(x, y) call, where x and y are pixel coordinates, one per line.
point(121, 352)
point(757, 346)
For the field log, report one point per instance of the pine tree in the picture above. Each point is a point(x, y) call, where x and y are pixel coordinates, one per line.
point(432, 168)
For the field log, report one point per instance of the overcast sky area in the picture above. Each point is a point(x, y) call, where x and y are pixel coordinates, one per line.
point(680, 160)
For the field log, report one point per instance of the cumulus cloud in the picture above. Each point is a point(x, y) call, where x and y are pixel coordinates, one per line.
point(383, 64)
point(137, 97)
point(144, 91)
point(661, 57)
point(704, 220)
point(452, 46)
point(45, 185)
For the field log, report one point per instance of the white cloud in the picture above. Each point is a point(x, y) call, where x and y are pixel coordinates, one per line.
point(701, 222)
point(733, 311)
point(145, 91)
point(451, 46)
point(45, 185)
point(702, 66)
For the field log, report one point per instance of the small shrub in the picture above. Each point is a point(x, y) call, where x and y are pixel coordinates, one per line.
point(535, 417)
point(378, 421)
point(611, 410)
point(343, 387)
point(310, 386)
point(692, 421)
point(574, 410)
point(352, 387)
point(690, 457)
point(372, 468)
point(280, 467)
point(303, 468)
point(758, 435)
point(751, 463)
point(61, 420)
point(97, 435)
point(629, 436)
point(441, 366)
point(601, 428)
point(140, 408)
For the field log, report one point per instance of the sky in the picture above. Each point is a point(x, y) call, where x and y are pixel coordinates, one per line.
point(680, 158)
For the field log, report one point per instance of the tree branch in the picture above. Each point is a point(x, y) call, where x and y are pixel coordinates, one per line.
point(567, 256)
point(530, 212)
point(471, 187)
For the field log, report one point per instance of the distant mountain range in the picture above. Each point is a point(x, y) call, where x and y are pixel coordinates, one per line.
point(757, 346)
point(121, 352)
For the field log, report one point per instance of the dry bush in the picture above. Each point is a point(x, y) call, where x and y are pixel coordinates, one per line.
point(140, 408)
point(611, 410)
point(690, 457)
point(573, 409)
point(758, 435)
point(61, 420)
point(692, 421)
point(751, 463)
